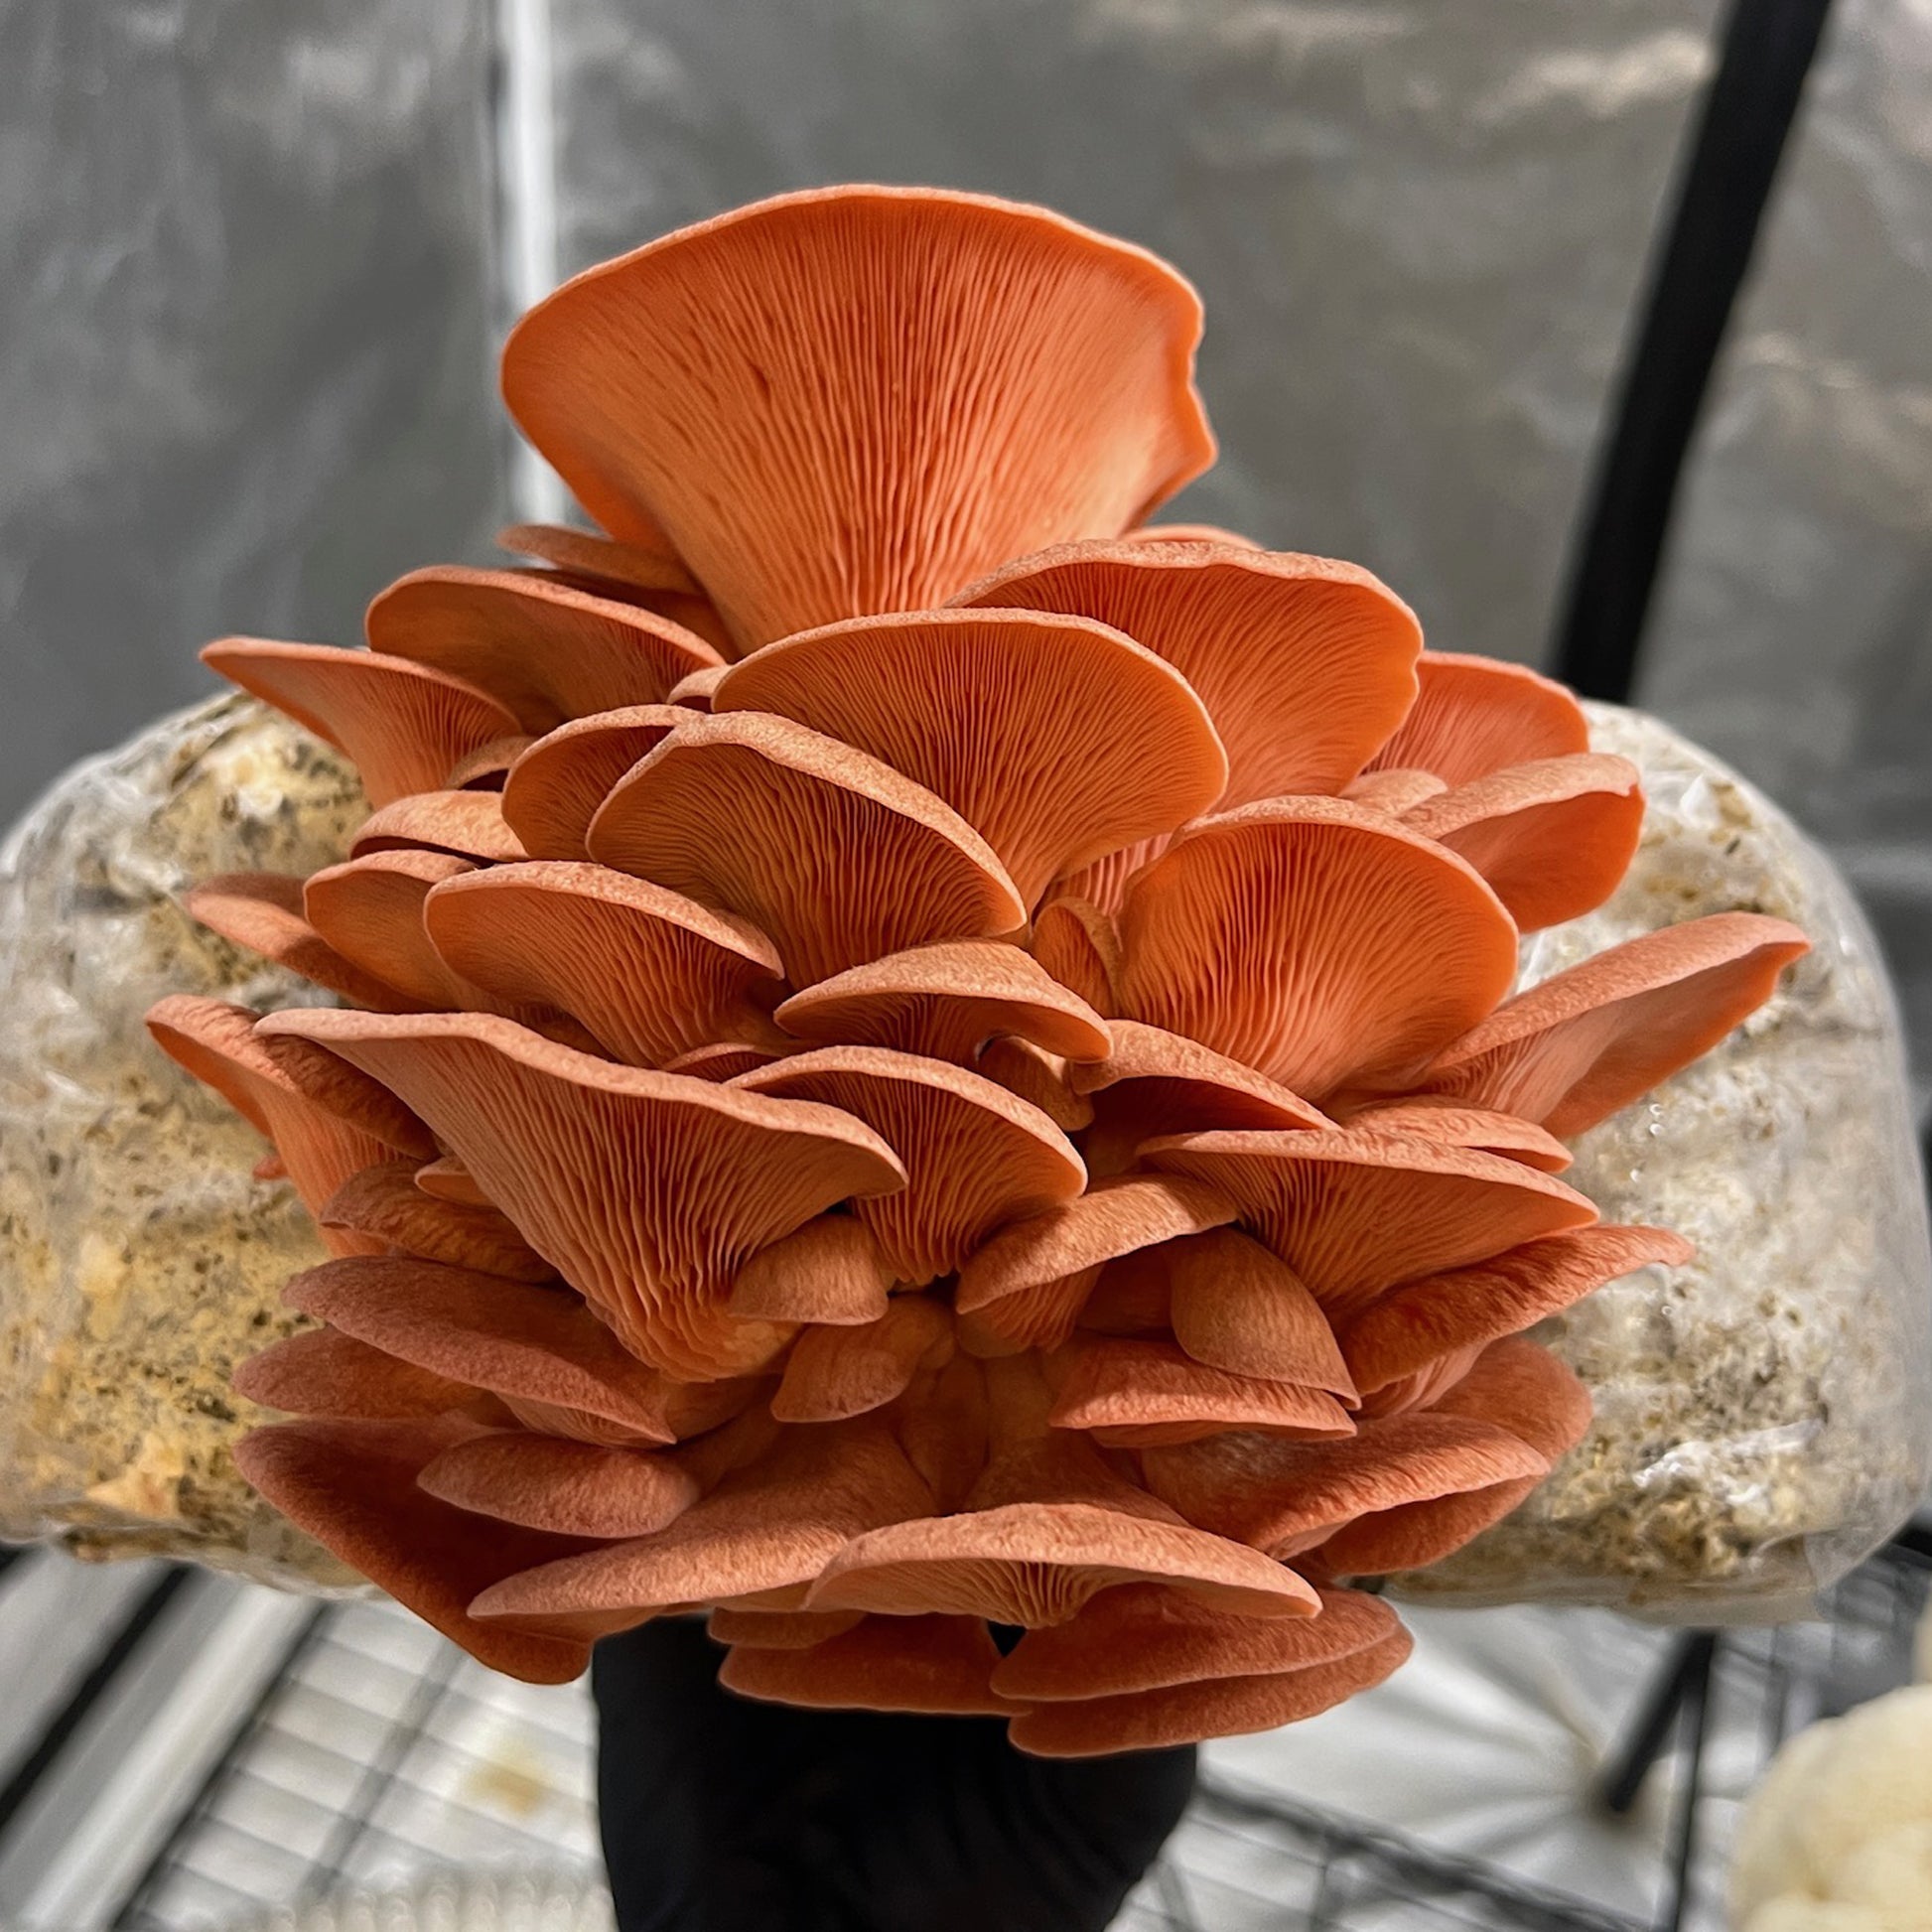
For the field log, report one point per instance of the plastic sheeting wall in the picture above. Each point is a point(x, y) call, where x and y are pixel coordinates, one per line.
point(248, 273)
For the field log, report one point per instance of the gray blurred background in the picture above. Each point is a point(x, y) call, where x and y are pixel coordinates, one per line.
point(255, 260)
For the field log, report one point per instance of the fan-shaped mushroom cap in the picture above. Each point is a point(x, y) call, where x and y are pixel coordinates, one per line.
point(650, 973)
point(548, 1482)
point(1031, 1278)
point(1078, 944)
point(547, 651)
point(828, 1271)
point(524, 1343)
point(722, 1060)
point(837, 856)
point(1285, 1497)
point(352, 1486)
point(945, 1001)
point(777, 1630)
point(487, 768)
point(943, 1424)
point(1156, 1083)
point(555, 789)
point(1404, 1332)
point(319, 1144)
point(1143, 1636)
point(1222, 1707)
point(446, 1178)
point(1311, 940)
point(1056, 738)
point(646, 1191)
point(1433, 1117)
point(385, 1202)
point(1475, 714)
point(401, 725)
point(934, 1664)
point(835, 1372)
point(1236, 1307)
point(370, 910)
point(1190, 533)
point(1554, 838)
point(1581, 1045)
point(1038, 1563)
point(769, 1526)
point(974, 1156)
point(1133, 1393)
point(959, 379)
point(262, 911)
point(1306, 665)
point(647, 563)
point(1397, 790)
point(1039, 1077)
point(323, 1372)
point(695, 692)
point(1519, 1385)
point(1355, 1213)
point(469, 824)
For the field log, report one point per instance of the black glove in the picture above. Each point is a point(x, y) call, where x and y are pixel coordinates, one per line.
point(721, 1813)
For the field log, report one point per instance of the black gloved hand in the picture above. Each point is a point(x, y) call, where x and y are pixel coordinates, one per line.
point(724, 1815)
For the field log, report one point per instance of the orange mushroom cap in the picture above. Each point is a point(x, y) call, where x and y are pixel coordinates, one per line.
point(647, 563)
point(1079, 945)
point(974, 1156)
point(1145, 1636)
point(384, 1201)
point(371, 910)
point(549, 1482)
point(467, 824)
point(1554, 838)
point(1577, 1048)
point(945, 1001)
point(555, 789)
point(401, 725)
point(545, 650)
point(835, 1372)
point(1039, 1077)
point(647, 1191)
point(777, 1630)
point(320, 1143)
point(1009, 380)
point(352, 1486)
point(1305, 665)
point(1356, 1214)
point(835, 855)
point(1313, 940)
point(323, 1372)
point(263, 911)
point(1435, 1117)
point(828, 1271)
point(1223, 1707)
point(650, 973)
point(1056, 738)
point(1236, 1307)
point(939, 1665)
point(1475, 714)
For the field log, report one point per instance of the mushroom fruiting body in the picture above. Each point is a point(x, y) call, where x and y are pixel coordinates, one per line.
point(918, 1050)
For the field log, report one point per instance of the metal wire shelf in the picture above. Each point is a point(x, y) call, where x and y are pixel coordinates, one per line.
point(379, 1753)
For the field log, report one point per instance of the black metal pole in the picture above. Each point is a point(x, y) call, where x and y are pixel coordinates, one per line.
point(1767, 51)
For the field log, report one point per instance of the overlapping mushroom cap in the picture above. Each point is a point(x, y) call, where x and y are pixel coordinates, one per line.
point(919, 1056)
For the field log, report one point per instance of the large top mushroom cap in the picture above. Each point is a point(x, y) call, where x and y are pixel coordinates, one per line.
point(945, 1001)
point(1475, 714)
point(1585, 1042)
point(1354, 1213)
point(554, 790)
point(548, 651)
point(975, 1156)
point(1306, 665)
point(1553, 837)
point(645, 1190)
point(652, 973)
point(1056, 738)
point(403, 726)
point(857, 400)
point(834, 854)
point(1313, 940)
